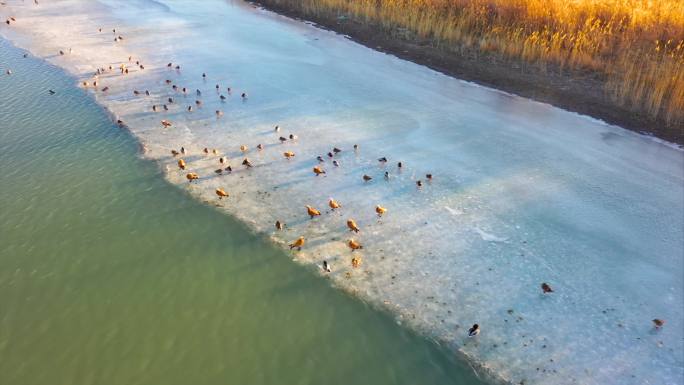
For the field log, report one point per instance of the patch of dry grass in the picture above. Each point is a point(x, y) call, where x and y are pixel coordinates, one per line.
point(637, 46)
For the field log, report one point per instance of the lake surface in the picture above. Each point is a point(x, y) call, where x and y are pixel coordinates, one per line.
point(110, 275)
point(522, 192)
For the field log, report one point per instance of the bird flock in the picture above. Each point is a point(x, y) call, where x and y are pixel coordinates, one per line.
point(172, 93)
point(174, 90)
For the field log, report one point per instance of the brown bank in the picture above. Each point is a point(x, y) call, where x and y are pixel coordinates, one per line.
point(578, 91)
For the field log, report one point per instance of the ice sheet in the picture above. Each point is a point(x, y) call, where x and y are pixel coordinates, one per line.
point(522, 193)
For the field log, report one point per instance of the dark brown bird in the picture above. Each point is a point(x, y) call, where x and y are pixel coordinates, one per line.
point(218, 170)
point(428, 176)
point(658, 323)
point(174, 153)
point(222, 160)
point(336, 150)
point(400, 165)
point(282, 139)
point(367, 178)
point(546, 288)
point(278, 225)
point(206, 150)
point(247, 163)
point(229, 169)
point(419, 183)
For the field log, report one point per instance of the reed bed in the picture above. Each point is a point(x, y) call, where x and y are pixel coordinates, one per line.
point(636, 47)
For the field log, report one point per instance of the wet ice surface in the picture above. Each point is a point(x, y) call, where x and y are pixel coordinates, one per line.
point(523, 193)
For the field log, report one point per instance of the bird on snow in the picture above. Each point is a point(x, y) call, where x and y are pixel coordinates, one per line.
point(312, 211)
point(353, 226)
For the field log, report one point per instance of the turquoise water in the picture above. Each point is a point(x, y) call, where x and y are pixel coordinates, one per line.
point(109, 275)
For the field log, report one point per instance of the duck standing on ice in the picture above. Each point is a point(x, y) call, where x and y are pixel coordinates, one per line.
point(318, 170)
point(474, 331)
point(221, 193)
point(312, 211)
point(353, 245)
point(334, 204)
point(380, 210)
point(326, 267)
point(351, 224)
point(297, 243)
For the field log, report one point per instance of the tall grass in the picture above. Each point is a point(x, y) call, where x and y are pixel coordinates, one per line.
point(635, 46)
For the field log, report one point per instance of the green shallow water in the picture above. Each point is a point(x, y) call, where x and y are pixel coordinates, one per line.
point(109, 275)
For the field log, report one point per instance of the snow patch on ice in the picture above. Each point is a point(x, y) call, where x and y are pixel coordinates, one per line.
point(489, 237)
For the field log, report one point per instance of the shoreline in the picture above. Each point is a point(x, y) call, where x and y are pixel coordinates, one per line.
point(579, 92)
point(402, 318)
point(122, 148)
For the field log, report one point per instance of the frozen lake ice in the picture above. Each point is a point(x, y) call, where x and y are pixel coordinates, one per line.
point(522, 192)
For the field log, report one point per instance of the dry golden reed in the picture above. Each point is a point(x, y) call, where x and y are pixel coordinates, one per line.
point(637, 46)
